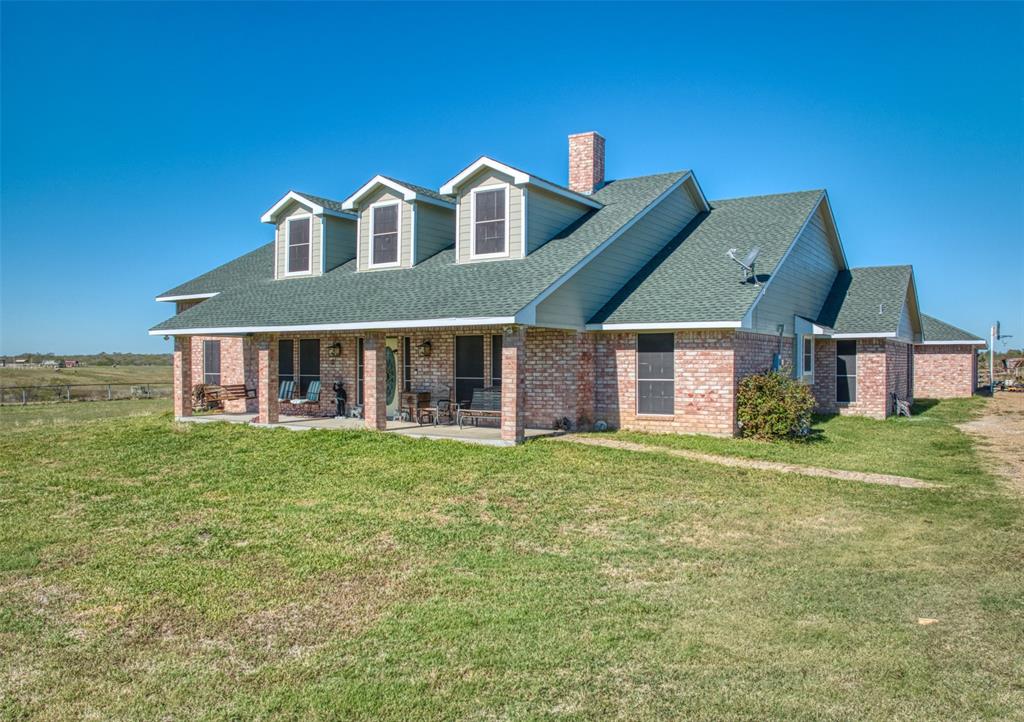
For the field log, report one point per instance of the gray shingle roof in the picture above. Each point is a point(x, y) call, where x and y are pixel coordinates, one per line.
point(325, 202)
point(253, 266)
point(434, 288)
point(422, 190)
point(867, 300)
point(933, 330)
point(692, 279)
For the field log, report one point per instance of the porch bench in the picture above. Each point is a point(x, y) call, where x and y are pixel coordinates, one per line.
point(485, 404)
point(232, 392)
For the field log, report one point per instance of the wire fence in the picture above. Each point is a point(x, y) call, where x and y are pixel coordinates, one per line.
point(57, 393)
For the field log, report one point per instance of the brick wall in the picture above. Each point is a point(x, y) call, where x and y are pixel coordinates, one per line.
point(237, 366)
point(872, 379)
point(559, 377)
point(586, 162)
point(942, 372)
point(898, 363)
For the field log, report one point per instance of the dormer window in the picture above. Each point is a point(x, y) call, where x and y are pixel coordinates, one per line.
point(490, 222)
point(385, 220)
point(298, 234)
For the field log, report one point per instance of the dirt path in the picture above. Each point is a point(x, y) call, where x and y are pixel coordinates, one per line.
point(861, 476)
point(1000, 435)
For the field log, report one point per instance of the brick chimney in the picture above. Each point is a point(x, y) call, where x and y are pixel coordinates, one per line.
point(586, 162)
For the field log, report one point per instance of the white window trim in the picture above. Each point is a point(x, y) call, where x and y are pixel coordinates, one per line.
point(308, 217)
point(398, 242)
point(473, 255)
point(636, 362)
point(806, 376)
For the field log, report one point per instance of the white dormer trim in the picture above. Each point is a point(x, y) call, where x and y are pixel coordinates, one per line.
point(316, 208)
point(407, 193)
point(519, 178)
point(398, 242)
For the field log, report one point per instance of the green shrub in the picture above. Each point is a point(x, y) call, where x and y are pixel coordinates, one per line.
point(774, 406)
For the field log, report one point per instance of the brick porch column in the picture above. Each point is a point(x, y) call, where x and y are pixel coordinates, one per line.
point(513, 408)
point(182, 376)
point(375, 408)
point(266, 380)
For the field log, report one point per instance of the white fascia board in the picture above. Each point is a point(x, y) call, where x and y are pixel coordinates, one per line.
point(670, 326)
point(316, 208)
point(835, 227)
point(700, 192)
point(186, 297)
point(356, 326)
point(951, 343)
point(748, 317)
point(861, 335)
point(519, 178)
point(407, 194)
point(532, 305)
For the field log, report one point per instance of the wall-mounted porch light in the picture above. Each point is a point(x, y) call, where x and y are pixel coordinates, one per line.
point(334, 350)
point(426, 348)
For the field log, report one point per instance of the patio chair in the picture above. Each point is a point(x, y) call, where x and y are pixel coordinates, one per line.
point(441, 406)
point(285, 390)
point(312, 395)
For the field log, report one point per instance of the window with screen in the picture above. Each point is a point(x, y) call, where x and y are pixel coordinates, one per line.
point(808, 356)
point(846, 371)
point(655, 373)
point(407, 364)
point(299, 244)
point(489, 222)
point(360, 371)
point(384, 229)
point(309, 363)
point(211, 362)
point(285, 360)
point(469, 367)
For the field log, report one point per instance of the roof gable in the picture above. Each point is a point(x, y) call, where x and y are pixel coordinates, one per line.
point(318, 204)
point(869, 301)
point(408, 191)
point(519, 178)
point(692, 282)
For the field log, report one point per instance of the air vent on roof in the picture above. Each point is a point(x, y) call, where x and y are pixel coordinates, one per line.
point(747, 263)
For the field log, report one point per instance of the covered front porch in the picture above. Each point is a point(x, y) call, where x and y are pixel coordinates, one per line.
point(383, 377)
point(485, 435)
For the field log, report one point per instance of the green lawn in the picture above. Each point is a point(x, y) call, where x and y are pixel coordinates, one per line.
point(63, 413)
point(150, 570)
point(925, 446)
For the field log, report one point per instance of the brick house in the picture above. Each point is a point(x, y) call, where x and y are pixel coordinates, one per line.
point(945, 360)
point(620, 301)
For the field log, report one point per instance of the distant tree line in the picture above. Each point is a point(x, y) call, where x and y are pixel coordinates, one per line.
point(103, 358)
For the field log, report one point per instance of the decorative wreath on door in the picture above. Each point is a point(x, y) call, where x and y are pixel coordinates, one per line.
point(391, 375)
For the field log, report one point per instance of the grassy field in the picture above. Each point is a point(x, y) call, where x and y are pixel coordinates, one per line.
point(152, 570)
point(10, 376)
point(924, 446)
point(65, 413)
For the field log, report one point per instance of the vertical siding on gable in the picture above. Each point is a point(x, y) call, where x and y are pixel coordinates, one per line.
point(405, 239)
point(801, 285)
point(584, 294)
point(435, 230)
point(339, 243)
point(546, 215)
point(906, 328)
point(488, 177)
point(295, 209)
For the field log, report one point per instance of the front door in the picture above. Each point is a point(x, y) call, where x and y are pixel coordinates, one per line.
point(391, 377)
point(469, 367)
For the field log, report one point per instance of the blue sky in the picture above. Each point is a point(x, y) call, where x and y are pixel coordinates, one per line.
point(141, 142)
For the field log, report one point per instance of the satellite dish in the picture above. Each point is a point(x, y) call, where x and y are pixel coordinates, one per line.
point(747, 263)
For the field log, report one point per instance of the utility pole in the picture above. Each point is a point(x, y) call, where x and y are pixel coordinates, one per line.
point(993, 334)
